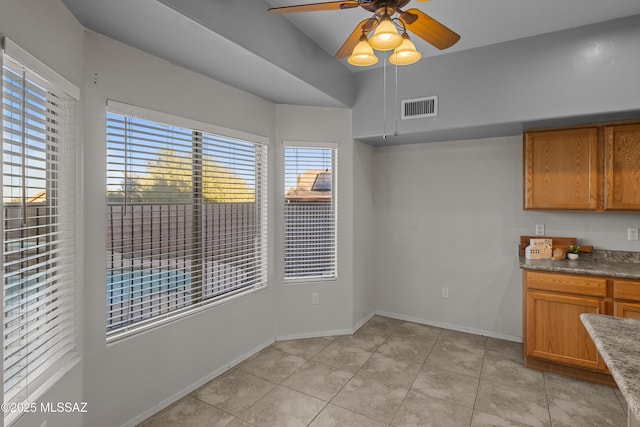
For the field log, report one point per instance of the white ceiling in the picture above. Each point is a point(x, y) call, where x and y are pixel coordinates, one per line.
point(479, 22)
point(270, 56)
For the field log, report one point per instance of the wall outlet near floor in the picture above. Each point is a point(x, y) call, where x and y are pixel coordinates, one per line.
point(539, 229)
point(445, 292)
point(632, 234)
point(315, 298)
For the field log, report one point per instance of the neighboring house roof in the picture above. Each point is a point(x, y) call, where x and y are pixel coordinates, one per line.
point(313, 186)
point(40, 197)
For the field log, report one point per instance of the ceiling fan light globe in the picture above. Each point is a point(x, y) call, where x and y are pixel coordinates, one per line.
point(386, 36)
point(362, 55)
point(405, 54)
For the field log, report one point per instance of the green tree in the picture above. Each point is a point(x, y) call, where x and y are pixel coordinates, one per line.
point(169, 178)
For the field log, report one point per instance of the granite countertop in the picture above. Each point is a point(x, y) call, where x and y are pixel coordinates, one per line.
point(618, 341)
point(599, 263)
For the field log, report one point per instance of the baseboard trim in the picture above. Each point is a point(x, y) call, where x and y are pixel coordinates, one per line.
point(450, 326)
point(329, 333)
point(194, 386)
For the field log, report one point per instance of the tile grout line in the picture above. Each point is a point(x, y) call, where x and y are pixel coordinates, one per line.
point(546, 396)
point(414, 380)
point(475, 400)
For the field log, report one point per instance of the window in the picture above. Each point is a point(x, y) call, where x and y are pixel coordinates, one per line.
point(310, 212)
point(186, 216)
point(39, 239)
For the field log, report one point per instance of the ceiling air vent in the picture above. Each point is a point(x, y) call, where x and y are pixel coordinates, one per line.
point(419, 107)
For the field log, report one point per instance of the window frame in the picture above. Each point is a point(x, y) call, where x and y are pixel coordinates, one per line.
point(198, 127)
point(334, 149)
point(61, 134)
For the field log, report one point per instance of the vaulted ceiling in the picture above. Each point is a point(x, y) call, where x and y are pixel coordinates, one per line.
point(288, 59)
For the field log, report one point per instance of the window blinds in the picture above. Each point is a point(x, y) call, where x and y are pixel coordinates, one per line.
point(39, 239)
point(310, 214)
point(186, 219)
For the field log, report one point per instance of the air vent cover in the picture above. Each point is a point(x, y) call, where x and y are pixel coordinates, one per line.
point(419, 107)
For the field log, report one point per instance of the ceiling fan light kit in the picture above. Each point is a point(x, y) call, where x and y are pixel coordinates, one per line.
point(358, 47)
point(406, 53)
point(362, 55)
point(386, 35)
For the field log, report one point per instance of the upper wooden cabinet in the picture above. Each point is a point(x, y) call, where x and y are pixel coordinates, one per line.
point(561, 169)
point(622, 167)
point(587, 168)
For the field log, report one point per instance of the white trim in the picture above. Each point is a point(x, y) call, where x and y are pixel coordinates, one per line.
point(310, 144)
point(166, 118)
point(194, 386)
point(362, 322)
point(39, 68)
point(314, 279)
point(319, 334)
point(450, 326)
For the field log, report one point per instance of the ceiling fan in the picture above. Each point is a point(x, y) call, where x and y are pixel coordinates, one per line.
point(386, 36)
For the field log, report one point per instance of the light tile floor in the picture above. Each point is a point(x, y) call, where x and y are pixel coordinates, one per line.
point(394, 373)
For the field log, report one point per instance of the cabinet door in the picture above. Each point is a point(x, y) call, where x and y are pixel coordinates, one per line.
point(561, 169)
point(622, 167)
point(626, 309)
point(554, 330)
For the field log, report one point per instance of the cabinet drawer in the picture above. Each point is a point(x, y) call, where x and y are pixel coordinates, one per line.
point(627, 290)
point(567, 283)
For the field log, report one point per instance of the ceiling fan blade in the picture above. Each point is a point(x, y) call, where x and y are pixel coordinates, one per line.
point(428, 29)
point(332, 5)
point(367, 25)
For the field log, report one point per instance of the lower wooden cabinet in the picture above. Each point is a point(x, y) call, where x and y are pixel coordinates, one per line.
point(553, 330)
point(627, 309)
point(626, 296)
point(555, 339)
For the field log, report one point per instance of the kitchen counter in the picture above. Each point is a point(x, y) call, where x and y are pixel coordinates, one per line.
point(600, 263)
point(618, 341)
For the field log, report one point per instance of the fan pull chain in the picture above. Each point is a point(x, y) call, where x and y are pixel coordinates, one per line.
point(384, 99)
point(395, 106)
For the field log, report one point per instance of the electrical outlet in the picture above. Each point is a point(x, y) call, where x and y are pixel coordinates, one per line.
point(445, 292)
point(315, 298)
point(632, 234)
point(539, 229)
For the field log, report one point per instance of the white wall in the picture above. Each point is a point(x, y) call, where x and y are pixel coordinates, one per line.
point(126, 381)
point(449, 214)
point(296, 316)
point(494, 90)
point(48, 31)
point(364, 230)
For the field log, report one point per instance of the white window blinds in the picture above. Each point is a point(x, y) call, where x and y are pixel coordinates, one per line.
point(310, 214)
point(186, 218)
point(39, 239)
